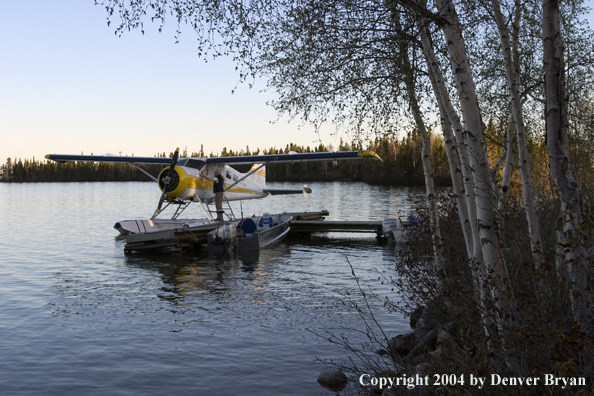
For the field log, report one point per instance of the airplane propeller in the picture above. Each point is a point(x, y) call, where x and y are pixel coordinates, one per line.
point(167, 180)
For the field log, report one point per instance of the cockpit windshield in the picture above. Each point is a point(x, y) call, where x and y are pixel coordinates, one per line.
point(194, 163)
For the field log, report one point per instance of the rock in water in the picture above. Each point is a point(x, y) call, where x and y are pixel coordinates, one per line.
point(415, 316)
point(401, 344)
point(333, 379)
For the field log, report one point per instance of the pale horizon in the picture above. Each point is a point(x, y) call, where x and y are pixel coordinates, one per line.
point(68, 85)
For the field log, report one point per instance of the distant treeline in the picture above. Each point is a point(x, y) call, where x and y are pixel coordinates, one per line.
point(401, 165)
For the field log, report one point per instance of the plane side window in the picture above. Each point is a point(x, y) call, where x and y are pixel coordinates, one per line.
point(235, 178)
point(229, 175)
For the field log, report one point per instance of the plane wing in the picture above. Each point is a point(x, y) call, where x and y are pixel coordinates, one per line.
point(238, 160)
point(108, 158)
point(294, 157)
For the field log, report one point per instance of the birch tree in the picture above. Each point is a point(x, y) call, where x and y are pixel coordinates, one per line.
point(513, 85)
point(571, 239)
point(510, 139)
point(465, 201)
point(411, 88)
point(458, 162)
point(475, 144)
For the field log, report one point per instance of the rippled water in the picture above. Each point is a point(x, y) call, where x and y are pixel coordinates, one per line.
point(78, 316)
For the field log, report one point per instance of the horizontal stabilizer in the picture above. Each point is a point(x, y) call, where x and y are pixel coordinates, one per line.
point(278, 191)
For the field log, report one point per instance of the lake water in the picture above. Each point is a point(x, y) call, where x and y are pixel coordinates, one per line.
point(80, 317)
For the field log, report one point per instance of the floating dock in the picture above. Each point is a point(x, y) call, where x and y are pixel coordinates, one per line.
point(310, 226)
point(190, 237)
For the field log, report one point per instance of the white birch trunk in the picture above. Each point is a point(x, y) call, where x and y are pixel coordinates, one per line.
point(451, 151)
point(425, 156)
point(576, 255)
point(510, 135)
point(523, 155)
point(485, 197)
point(478, 269)
point(479, 273)
point(508, 169)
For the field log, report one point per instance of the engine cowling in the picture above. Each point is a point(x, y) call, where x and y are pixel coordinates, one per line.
point(181, 185)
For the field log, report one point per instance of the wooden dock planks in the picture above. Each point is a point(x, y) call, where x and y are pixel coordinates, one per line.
point(302, 223)
point(308, 226)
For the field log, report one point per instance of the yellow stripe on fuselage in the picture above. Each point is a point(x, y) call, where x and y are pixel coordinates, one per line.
point(243, 190)
point(186, 181)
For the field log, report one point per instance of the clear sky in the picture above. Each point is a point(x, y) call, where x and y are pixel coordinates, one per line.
point(69, 85)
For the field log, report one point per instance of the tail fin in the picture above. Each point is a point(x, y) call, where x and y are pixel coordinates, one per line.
point(259, 176)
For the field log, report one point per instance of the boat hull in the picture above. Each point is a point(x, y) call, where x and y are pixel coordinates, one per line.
point(252, 233)
point(265, 237)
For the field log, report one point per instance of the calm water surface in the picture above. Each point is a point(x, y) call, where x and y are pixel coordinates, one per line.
point(78, 316)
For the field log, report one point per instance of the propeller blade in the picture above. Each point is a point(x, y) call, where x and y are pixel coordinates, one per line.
point(173, 162)
point(161, 200)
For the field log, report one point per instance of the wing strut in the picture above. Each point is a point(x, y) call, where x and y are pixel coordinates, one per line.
point(204, 206)
point(143, 171)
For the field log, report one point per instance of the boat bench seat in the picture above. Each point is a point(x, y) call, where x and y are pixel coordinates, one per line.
point(248, 226)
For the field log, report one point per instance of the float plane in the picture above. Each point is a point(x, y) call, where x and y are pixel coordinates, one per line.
point(185, 180)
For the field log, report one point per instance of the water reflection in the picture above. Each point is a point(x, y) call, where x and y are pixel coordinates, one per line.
point(220, 276)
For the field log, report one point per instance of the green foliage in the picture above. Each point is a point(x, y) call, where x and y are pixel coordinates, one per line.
point(51, 171)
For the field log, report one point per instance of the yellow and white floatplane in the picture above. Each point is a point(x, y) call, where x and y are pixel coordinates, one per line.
point(186, 181)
